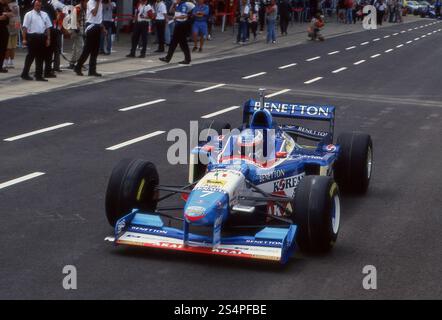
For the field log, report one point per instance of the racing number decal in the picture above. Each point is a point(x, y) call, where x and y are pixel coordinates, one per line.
point(206, 193)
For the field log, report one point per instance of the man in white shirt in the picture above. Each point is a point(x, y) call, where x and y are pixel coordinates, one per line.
point(94, 27)
point(160, 23)
point(36, 37)
point(143, 15)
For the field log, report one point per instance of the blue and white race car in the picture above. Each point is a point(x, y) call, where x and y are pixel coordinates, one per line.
point(253, 192)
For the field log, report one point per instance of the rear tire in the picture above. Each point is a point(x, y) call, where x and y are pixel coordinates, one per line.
point(317, 214)
point(131, 185)
point(354, 166)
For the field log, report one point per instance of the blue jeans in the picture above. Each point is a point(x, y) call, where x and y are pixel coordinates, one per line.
point(349, 16)
point(169, 32)
point(271, 34)
point(242, 32)
point(108, 26)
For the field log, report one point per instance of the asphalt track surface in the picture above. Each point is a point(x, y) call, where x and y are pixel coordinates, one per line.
point(57, 218)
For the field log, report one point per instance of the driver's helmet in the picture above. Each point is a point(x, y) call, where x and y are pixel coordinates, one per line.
point(250, 143)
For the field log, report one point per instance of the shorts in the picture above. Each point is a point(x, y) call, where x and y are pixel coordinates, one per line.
point(200, 28)
point(12, 42)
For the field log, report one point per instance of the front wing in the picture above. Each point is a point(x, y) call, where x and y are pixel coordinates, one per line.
point(148, 230)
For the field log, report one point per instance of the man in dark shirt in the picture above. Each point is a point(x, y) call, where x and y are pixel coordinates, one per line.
point(4, 34)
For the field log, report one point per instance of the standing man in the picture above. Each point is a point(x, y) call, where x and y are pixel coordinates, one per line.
point(108, 21)
point(201, 15)
point(36, 35)
point(285, 10)
point(49, 9)
point(4, 34)
point(160, 23)
point(94, 19)
point(76, 32)
point(181, 10)
point(271, 14)
point(143, 14)
point(13, 27)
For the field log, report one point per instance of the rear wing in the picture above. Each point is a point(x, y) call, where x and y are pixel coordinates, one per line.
point(292, 110)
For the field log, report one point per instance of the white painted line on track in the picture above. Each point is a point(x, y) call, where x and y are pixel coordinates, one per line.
point(339, 70)
point(214, 114)
point(32, 133)
point(389, 50)
point(142, 105)
point(277, 93)
point(375, 55)
point(350, 48)
point(377, 39)
point(399, 45)
point(409, 41)
point(333, 52)
point(132, 141)
point(387, 36)
point(21, 179)
point(254, 75)
point(403, 31)
point(312, 80)
point(359, 62)
point(287, 66)
point(364, 43)
point(312, 59)
point(415, 39)
point(210, 88)
point(411, 29)
point(395, 34)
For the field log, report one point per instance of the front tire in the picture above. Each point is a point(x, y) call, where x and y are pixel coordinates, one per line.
point(131, 185)
point(354, 166)
point(317, 214)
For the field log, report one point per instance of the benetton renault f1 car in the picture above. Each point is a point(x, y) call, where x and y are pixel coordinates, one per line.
point(259, 193)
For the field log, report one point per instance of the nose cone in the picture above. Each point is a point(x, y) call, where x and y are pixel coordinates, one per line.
point(203, 207)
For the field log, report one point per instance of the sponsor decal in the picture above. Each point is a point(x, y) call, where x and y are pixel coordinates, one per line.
point(264, 242)
point(272, 175)
point(211, 189)
point(310, 131)
point(212, 182)
point(295, 109)
point(147, 230)
point(330, 148)
point(195, 211)
point(287, 183)
point(227, 251)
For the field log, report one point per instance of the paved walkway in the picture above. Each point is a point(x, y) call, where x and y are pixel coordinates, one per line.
point(117, 65)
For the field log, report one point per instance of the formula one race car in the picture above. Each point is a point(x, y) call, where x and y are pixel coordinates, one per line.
point(253, 192)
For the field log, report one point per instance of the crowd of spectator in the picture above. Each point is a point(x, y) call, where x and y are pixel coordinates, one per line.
point(91, 26)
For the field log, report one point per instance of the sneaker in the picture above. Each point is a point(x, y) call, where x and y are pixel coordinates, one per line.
point(3, 70)
point(184, 62)
point(11, 64)
point(50, 75)
point(94, 74)
point(273, 42)
point(130, 56)
point(71, 66)
point(200, 50)
point(164, 59)
point(194, 49)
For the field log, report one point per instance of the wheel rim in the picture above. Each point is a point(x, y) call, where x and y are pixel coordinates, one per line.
point(369, 162)
point(336, 213)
